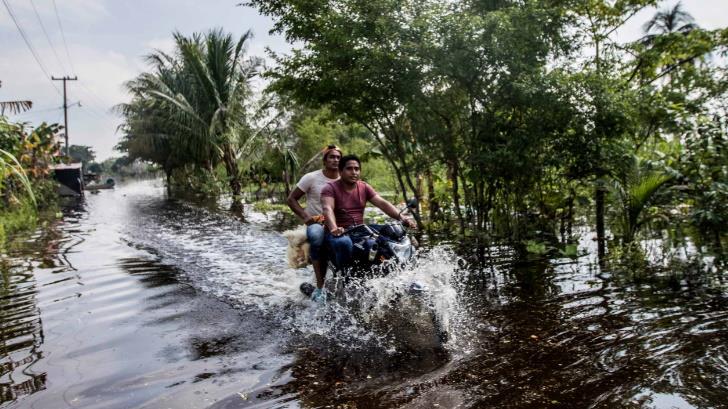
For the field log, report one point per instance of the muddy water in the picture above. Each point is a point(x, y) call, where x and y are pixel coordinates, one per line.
point(133, 300)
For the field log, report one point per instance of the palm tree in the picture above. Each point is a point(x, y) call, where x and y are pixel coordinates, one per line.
point(669, 20)
point(153, 128)
point(635, 192)
point(14, 107)
point(668, 27)
point(196, 104)
point(222, 91)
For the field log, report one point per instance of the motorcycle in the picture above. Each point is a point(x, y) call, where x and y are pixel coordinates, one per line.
point(378, 251)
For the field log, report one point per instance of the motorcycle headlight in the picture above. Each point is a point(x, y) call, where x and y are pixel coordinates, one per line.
point(402, 250)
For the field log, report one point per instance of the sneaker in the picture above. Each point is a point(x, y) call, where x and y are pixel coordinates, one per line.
point(318, 296)
point(307, 289)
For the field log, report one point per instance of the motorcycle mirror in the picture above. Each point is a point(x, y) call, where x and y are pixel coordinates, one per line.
point(412, 204)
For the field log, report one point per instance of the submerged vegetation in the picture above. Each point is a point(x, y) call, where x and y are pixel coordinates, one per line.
point(579, 184)
point(25, 185)
point(509, 120)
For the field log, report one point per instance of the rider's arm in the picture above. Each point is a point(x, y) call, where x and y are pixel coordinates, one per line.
point(388, 209)
point(292, 202)
point(327, 202)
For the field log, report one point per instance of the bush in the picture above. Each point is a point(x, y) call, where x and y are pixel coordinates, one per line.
point(20, 216)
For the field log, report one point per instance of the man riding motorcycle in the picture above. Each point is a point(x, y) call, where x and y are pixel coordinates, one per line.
point(311, 185)
point(343, 203)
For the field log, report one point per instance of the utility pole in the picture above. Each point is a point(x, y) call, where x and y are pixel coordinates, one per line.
point(65, 108)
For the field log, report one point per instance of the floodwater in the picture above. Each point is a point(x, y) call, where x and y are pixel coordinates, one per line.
point(132, 300)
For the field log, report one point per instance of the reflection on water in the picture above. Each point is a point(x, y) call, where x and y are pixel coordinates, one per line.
point(94, 318)
point(21, 333)
point(134, 300)
point(21, 322)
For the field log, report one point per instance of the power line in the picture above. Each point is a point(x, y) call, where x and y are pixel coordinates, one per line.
point(38, 111)
point(87, 109)
point(63, 37)
point(97, 100)
point(99, 112)
point(30, 46)
point(45, 32)
point(90, 93)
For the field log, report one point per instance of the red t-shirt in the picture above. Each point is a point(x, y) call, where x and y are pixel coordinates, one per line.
point(348, 206)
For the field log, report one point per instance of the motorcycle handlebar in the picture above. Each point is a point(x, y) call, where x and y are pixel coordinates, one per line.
point(356, 226)
point(351, 228)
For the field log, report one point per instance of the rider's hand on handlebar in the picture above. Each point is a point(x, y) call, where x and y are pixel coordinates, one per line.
point(337, 231)
point(409, 223)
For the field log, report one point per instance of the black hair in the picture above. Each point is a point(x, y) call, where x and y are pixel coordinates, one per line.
point(344, 159)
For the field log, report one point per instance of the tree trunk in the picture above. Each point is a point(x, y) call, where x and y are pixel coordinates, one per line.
point(467, 198)
point(716, 238)
point(238, 210)
point(231, 167)
point(599, 196)
point(452, 174)
point(287, 184)
point(489, 204)
point(168, 175)
point(418, 185)
point(570, 215)
point(431, 200)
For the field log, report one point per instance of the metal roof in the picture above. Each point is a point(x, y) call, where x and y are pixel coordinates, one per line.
point(63, 166)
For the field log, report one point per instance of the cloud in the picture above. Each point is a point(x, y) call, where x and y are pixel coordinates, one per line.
point(101, 75)
point(164, 44)
point(69, 11)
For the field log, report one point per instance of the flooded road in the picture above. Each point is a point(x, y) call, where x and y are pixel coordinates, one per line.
point(132, 300)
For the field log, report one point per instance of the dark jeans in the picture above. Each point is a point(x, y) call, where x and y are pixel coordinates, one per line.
point(315, 234)
point(342, 248)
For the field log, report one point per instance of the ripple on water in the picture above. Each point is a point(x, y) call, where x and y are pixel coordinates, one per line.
point(156, 312)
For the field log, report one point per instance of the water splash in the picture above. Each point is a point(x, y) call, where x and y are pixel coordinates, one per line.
point(244, 263)
point(383, 312)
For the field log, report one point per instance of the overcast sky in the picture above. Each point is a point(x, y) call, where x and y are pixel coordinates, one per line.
point(106, 41)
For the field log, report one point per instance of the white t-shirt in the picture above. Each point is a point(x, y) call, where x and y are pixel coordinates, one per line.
point(311, 183)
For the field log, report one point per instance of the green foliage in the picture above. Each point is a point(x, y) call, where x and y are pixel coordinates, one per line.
point(635, 191)
point(570, 250)
point(704, 170)
point(95, 168)
point(510, 110)
point(194, 107)
point(23, 215)
point(124, 166)
point(190, 180)
point(536, 247)
point(25, 157)
point(265, 206)
point(433, 83)
point(83, 154)
point(629, 263)
point(10, 169)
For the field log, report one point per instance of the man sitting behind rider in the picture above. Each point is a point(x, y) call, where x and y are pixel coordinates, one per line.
point(311, 185)
point(343, 204)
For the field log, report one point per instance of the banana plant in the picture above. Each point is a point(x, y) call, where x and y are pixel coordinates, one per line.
point(10, 167)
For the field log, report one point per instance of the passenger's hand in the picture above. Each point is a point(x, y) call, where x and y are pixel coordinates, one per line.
point(337, 231)
point(309, 221)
